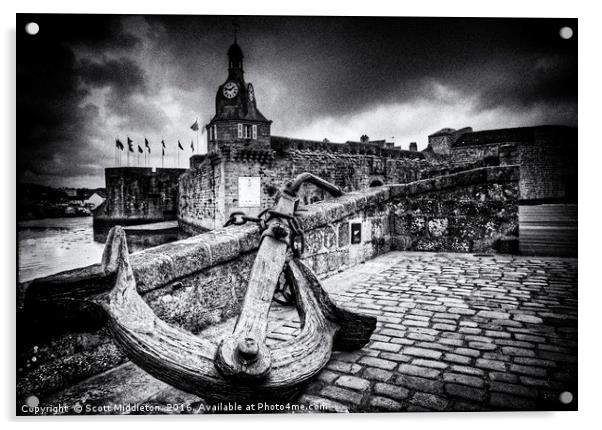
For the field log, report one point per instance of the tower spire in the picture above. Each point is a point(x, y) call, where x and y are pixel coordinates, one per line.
point(236, 26)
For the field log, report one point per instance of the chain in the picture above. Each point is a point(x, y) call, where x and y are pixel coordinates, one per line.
point(296, 243)
point(297, 240)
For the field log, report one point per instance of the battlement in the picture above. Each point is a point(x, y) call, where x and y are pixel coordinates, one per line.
point(283, 144)
point(513, 135)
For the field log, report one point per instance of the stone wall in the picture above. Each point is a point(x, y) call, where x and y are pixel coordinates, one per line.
point(474, 211)
point(138, 195)
point(209, 190)
point(547, 156)
point(199, 281)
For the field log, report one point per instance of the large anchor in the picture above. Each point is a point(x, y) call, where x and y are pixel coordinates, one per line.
point(241, 367)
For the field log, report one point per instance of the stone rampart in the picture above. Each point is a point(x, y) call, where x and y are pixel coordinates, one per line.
point(138, 195)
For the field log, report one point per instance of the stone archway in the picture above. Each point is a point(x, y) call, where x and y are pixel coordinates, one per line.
point(376, 181)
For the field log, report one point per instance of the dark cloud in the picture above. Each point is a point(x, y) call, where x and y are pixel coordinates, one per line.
point(123, 76)
point(53, 122)
point(87, 78)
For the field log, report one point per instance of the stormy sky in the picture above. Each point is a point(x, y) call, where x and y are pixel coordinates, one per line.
point(85, 80)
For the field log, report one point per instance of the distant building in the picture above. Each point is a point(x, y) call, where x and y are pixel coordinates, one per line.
point(95, 200)
point(547, 156)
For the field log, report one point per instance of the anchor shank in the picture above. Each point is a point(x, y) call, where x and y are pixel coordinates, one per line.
point(244, 353)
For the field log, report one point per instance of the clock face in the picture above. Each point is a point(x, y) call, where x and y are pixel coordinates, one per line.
point(251, 93)
point(230, 90)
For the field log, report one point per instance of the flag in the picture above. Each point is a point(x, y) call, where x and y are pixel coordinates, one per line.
point(118, 144)
point(192, 145)
point(180, 145)
point(147, 144)
point(163, 143)
point(195, 126)
point(131, 147)
point(140, 149)
point(163, 152)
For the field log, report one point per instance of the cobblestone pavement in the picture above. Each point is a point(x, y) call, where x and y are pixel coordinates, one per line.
point(456, 332)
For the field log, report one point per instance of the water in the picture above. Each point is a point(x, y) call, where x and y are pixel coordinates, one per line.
point(52, 245)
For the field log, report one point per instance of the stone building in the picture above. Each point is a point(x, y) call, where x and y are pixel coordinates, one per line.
point(246, 166)
point(138, 195)
point(547, 156)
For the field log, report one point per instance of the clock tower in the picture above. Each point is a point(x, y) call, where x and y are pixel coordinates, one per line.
point(237, 124)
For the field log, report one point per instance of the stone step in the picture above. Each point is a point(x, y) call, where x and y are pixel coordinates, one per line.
point(548, 230)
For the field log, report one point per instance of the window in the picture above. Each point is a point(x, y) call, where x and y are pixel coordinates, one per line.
point(213, 132)
point(247, 131)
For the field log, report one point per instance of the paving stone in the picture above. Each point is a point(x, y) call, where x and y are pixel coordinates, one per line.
point(353, 382)
point(392, 391)
point(327, 376)
point(429, 401)
point(342, 395)
point(483, 346)
point(419, 384)
point(421, 352)
point(341, 366)
point(529, 361)
point(421, 337)
point(515, 389)
point(455, 358)
point(528, 370)
point(527, 319)
point(465, 392)
point(503, 377)
point(509, 350)
point(384, 404)
point(468, 370)
point(445, 327)
point(388, 347)
point(468, 352)
point(451, 342)
point(462, 311)
point(375, 374)
point(378, 362)
point(490, 364)
point(429, 363)
point(397, 357)
point(508, 401)
point(425, 372)
point(499, 334)
point(463, 379)
point(393, 332)
point(493, 315)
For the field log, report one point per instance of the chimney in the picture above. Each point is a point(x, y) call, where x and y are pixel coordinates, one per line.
point(413, 146)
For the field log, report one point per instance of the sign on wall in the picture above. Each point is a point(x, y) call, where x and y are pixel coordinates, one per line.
point(249, 191)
